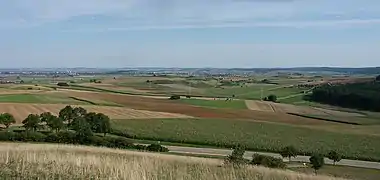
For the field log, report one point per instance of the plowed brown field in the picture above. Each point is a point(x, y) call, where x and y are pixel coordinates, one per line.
point(22, 110)
point(165, 105)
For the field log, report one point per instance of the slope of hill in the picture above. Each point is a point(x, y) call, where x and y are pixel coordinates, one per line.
point(47, 161)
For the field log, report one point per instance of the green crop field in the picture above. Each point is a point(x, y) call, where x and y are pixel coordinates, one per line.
point(234, 104)
point(37, 98)
point(255, 135)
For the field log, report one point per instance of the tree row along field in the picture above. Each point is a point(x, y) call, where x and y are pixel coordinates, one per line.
point(22, 110)
point(254, 135)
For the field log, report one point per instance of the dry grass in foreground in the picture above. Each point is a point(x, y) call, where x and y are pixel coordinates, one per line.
point(48, 161)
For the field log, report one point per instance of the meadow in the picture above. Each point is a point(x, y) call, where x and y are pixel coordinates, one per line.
point(261, 136)
point(48, 161)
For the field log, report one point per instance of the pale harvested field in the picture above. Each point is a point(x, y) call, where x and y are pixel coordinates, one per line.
point(8, 91)
point(258, 105)
point(48, 161)
point(289, 108)
point(22, 110)
point(25, 87)
point(339, 113)
point(113, 87)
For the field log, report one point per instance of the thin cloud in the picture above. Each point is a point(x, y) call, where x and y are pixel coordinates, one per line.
point(288, 24)
point(182, 14)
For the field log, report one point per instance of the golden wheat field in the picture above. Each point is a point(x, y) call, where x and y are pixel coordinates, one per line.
point(53, 161)
point(22, 110)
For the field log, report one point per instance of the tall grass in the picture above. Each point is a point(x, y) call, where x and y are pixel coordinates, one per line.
point(48, 161)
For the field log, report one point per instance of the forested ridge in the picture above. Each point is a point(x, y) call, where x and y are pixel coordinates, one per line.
point(364, 96)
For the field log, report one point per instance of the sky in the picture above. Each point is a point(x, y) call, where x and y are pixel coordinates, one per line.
point(189, 33)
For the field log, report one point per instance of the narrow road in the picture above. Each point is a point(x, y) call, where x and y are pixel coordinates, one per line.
point(248, 155)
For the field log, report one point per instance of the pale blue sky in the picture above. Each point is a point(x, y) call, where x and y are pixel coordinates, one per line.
point(189, 33)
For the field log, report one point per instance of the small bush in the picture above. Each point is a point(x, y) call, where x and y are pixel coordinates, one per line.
point(119, 142)
point(7, 136)
point(62, 84)
point(51, 138)
point(98, 141)
point(236, 158)
point(157, 148)
point(31, 136)
point(271, 97)
point(267, 161)
point(175, 97)
point(140, 147)
point(66, 137)
point(188, 97)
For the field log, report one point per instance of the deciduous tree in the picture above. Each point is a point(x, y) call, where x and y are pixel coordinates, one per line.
point(82, 128)
point(79, 112)
point(32, 122)
point(317, 161)
point(237, 157)
point(7, 119)
point(289, 152)
point(67, 114)
point(53, 122)
point(335, 156)
point(99, 122)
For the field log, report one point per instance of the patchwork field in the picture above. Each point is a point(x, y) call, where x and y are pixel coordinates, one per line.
point(22, 110)
point(170, 106)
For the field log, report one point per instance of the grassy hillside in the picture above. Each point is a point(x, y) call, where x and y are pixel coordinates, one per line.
point(47, 161)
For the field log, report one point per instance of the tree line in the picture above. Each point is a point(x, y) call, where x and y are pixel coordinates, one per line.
point(363, 96)
point(71, 126)
point(236, 158)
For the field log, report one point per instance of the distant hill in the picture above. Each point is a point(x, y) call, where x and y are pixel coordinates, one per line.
point(364, 70)
point(316, 70)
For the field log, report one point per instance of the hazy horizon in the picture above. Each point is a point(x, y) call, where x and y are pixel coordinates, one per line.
point(197, 33)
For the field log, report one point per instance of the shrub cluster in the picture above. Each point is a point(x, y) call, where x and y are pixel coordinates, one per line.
point(175, 97)
point(62, 84)
point(267, 161)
